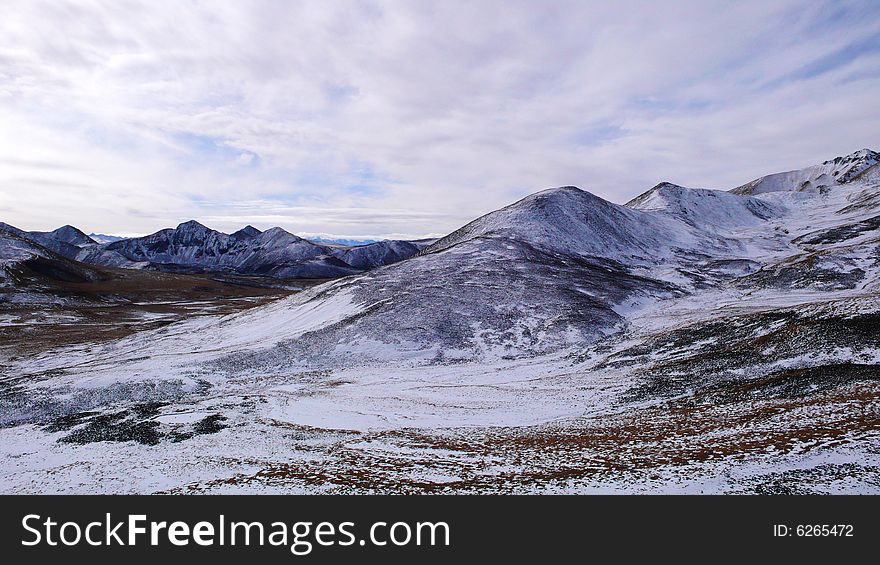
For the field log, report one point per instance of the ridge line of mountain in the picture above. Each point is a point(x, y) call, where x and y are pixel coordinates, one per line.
point(649, 224)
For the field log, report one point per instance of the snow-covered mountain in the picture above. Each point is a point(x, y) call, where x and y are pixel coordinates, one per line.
point(25, 265)
point(105, 238)
point(378, 253)
point(702, 207)
point(70, 234)
point(247, 232)
point(817, 178)
point(274, 252)
point(66, 240)
point(15, 250)
point(192, 247)
point(572, 221)
point(564, 267)
point(559, 267)
point(692, 339)
point(543, 273)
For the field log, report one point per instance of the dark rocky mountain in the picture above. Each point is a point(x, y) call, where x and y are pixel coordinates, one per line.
point(246, 232)
point(274, 252)
point(61, 241)
point(379, 253)
point(72, 235)
point(26, 267)
point(192, 247)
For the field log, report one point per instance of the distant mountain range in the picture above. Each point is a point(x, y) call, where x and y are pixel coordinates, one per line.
point(342, 241)
point(194, 248)
point(104, 238)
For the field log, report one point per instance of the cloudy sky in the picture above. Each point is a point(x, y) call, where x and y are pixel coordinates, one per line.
point(410, 118)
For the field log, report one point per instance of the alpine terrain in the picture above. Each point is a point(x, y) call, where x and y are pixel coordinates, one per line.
point(194, 248)
point(692, 340)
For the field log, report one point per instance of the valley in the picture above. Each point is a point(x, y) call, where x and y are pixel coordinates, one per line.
point(692, 340)
point(122, 302)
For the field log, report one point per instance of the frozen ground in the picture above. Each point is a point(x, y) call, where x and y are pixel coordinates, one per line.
point(743, 358)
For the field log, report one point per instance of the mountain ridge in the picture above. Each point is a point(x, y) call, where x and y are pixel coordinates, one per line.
point(816, 178)
point(667, 219)
point(193, 247)
point(534, 348)
point(563, 266)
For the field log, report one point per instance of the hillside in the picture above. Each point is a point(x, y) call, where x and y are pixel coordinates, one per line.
point(691, 340)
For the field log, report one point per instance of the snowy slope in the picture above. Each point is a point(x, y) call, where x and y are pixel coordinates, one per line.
point(59, 241)
point(702, 207)
point(692, 341)
point(563, 267)
point(573, 221)
point(25, 266)
point(817, 178)
point(15, 249)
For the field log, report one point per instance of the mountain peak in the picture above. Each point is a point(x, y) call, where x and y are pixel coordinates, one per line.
point(666, 185)
point(564, 196)
point(246, 232)
point(643, 200)
point(860, 155)
point(190, 225)
point(560, 190)
point(565, 218)
point(559, 193)
point(70, 234)
point(702, 207)
point(278, 233)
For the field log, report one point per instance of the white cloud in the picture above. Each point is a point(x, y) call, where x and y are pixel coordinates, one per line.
point(411, 117)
